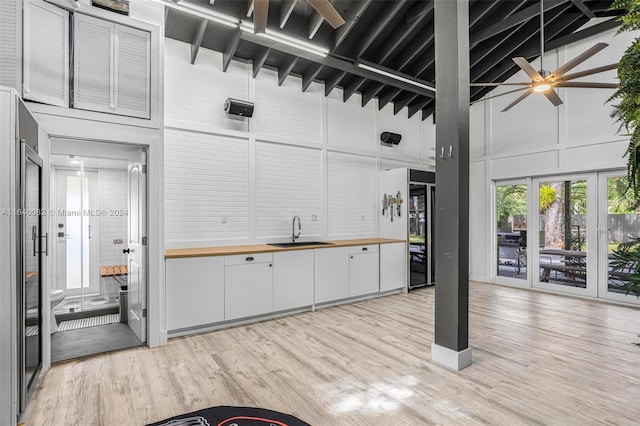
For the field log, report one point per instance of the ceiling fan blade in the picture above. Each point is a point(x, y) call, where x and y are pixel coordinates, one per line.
point(328, 12)
point(553, 97)
point(578, 60)
point(500, 84)
point(527, 68)
point(589, 72)
point(587, 85)
point(260, 15)
point(517, 101)
point(501, 94)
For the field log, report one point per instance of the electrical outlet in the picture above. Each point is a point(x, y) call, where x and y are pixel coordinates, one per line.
point(223, 218)
point(118, 241)
point(314, 217)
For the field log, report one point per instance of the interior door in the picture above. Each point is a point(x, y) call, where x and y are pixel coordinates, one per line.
point(564, 240)
point(137, 248)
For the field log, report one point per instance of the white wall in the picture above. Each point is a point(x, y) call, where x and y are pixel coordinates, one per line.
point(113, 196)
point(230, 181)
point(535, 138)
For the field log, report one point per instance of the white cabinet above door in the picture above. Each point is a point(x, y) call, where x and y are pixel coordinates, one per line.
point(46, 53)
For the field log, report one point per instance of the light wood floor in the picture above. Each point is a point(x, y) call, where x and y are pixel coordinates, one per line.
point(538, 359)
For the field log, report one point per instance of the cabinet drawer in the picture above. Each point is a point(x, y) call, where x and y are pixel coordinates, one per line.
point(243, 259)
point(372, 248)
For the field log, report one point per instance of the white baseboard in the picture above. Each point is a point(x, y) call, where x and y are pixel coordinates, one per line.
point(449, 358)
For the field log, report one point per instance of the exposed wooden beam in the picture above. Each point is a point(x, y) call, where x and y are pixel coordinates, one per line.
point(311, 73)
point(403, 101)
point(197, 39)
point(231, 48)
point(418, 11)
point(417, 106)
point(285, 69)
point(286, 8)
point(314, 23)
point(513, 20)
point(355, 12)
point(331, 84)
point(259, 61)
point(339, 64)
point(584, 9)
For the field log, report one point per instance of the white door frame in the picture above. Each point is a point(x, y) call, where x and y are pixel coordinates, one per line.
point(603, 275)
point(591, 239)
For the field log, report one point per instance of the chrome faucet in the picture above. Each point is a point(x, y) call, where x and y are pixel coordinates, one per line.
point(293, 229)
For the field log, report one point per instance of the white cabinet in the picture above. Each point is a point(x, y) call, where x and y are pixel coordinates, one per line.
point(46, 53)
point(393, 266)
point(364, 273)
point(111, 67)
point(195, 291)
point(11, 44)
point(331, 274)
point(248, 285)
point(292, 279)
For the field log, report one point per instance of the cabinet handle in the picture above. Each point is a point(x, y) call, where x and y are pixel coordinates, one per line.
point(249, 259)
point(364, 249)
point(352, 257)
point(270, 265)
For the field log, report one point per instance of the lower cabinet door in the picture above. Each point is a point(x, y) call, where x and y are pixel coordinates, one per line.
point(393, 266)
point(248, 290)
point(331, 274)
point(292, 279)
point(364, 274)
point(195, 291)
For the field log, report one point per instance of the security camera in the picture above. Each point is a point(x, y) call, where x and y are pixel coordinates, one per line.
point(238, 107)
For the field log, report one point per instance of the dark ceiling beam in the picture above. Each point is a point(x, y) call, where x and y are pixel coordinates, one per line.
point(250, 9)
point(393, 43)
point(333, 62)
point(285, 69)
point(402, 60)
point(332, 82)
point(197, 39)
point(312, 72)
point(428, 110)
point(260, 60)
point(353, 16)
point(584, 9)
point(513, 20)
point(403, 101)
point(286, 8)
point(513, 45)
point(313, 24)
point(230, 50)
point(478, 10)
point(387, 97)
point(417, 106)
point(416, 12)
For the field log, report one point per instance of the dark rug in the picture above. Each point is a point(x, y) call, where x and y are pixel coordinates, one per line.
point(232, 416)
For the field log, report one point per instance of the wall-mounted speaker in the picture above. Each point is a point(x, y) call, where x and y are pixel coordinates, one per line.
point(238, 107)
point(390, 138)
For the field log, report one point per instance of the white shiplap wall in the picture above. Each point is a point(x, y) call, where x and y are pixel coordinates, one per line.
point(535, 138)
point(206, 177)
point(352, 194)
point(113, 196)
point(288, 183)
point(300, 154)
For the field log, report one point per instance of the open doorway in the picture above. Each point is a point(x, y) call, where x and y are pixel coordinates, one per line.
point(98, 281)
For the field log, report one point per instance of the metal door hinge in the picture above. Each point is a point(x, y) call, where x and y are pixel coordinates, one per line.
point(144, 313)
point(144, 241)
point(144, 169)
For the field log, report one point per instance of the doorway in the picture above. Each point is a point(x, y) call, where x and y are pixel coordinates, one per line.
point(98, 281)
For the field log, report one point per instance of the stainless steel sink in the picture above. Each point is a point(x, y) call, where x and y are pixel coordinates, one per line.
point(301, 244)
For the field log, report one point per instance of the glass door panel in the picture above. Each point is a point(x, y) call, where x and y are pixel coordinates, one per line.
point(511, 241)
point(566, 251)
point(418, 221)
point(619, 223)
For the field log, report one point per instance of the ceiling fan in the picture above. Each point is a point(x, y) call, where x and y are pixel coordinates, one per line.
point(545, 82)
point(323, 7)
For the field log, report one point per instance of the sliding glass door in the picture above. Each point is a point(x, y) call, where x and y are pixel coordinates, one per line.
point(511, 232)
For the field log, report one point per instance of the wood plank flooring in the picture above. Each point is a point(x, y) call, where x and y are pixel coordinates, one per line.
point(539, 359)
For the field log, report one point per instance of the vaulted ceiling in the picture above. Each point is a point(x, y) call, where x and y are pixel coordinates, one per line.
point(395, 34)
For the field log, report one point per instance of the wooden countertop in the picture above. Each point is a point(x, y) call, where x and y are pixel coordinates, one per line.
point(264, 248)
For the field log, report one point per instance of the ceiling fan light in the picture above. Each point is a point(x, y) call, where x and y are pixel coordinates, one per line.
point(542, 87)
